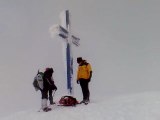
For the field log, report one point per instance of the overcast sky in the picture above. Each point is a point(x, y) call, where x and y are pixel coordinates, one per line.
point(120, 38)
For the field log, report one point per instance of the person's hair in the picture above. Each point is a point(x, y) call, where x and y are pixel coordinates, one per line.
point(79, 59)
point(50, 70)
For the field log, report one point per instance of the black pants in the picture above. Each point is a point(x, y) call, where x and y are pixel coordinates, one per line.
point(85, 88)
point(45, 95)
point(50, 96)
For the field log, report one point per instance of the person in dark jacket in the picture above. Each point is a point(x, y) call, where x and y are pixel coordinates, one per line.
point(84, 74)
point(48, 87)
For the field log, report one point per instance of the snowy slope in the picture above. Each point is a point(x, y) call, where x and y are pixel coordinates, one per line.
point(143, 106)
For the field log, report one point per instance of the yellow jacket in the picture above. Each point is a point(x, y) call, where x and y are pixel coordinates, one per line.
point(84, 71)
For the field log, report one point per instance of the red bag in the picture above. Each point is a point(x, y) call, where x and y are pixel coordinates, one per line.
point(68, 101)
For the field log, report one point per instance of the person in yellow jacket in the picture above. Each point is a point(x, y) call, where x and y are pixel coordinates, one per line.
point(84, 74)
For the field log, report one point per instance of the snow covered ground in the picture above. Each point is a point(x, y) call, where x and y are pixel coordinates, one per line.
point(142, 106)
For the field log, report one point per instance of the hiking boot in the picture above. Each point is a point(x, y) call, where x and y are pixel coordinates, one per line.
point(87, 101)
point(82, 101)
point(52, 103)
point(46, 109)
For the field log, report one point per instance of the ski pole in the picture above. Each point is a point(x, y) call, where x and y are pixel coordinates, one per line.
point(53, 92)
point(40, 109)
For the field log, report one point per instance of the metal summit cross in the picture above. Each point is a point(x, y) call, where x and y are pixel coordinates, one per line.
point(64, 31)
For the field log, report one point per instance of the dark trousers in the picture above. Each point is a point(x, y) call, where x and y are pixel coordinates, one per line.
point(45, 95)
point(85, 89)
point(50, 96)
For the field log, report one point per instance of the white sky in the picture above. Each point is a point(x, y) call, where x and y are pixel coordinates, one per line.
point(120, 38)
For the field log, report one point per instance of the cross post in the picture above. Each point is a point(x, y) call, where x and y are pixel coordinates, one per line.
point(64, 31)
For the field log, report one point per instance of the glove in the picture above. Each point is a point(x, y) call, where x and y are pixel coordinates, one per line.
point(77, 81)
point(55, 88)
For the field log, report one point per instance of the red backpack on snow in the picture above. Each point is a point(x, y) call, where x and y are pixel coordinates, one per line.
point(68, 101)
